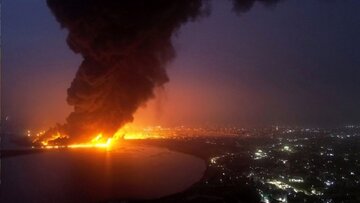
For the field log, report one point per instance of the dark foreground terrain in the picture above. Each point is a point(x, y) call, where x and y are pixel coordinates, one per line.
point(273, 165)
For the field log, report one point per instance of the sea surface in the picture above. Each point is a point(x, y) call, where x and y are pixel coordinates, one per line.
point(97, 175)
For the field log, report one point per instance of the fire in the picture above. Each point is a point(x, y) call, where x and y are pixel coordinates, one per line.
point(45, 142)
point(127, 132)
point(98, 142)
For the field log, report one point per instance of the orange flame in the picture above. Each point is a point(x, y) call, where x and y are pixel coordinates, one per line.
point(127, 132)
point(98, 142)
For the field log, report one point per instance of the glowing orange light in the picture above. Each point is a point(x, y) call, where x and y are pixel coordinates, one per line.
point(97, 141)
point(127, 132)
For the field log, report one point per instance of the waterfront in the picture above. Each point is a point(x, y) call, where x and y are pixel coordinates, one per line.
point(97, 175)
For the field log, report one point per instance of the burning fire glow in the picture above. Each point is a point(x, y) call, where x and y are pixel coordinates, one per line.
point(97, 141)
point(127, 132)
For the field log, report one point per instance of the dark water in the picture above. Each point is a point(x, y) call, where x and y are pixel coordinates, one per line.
point(83, 175)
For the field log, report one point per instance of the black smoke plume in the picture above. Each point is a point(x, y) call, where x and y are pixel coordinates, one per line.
point(125, 45)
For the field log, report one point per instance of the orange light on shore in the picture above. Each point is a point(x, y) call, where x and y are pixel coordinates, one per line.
point(45, 142)
point(96, 142)
point(127, 132)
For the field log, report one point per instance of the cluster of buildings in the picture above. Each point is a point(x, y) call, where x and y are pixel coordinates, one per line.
point(290, 165)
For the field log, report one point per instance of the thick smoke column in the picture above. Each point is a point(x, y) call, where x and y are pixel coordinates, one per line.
point(125, 45)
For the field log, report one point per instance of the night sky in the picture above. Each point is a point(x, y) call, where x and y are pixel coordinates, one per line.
point(293, 63)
